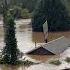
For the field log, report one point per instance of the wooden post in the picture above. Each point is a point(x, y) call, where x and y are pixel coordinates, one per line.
point(46, 41)
point(35, 44)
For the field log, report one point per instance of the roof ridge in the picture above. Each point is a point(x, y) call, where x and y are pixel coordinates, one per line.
point(55, 40)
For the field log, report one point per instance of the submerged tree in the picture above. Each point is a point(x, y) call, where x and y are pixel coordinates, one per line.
point(54, 12)
point(10, 49)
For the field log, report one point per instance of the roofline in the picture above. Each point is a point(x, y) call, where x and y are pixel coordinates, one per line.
point(33, 49)
point(55, 40)
point(45, 44)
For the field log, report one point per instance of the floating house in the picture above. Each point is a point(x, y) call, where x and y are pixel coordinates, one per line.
point(54, 47)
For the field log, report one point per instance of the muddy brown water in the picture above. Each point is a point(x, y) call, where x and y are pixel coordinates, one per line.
point(26, 41)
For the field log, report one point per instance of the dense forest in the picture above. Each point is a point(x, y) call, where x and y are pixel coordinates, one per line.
point(67, 5)
point(21, 8)
point(28, 6)
point(54, 12)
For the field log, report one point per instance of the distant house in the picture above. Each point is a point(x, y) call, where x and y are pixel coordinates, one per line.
point(54, 47)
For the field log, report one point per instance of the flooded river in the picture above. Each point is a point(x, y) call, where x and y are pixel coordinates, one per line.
point(26, 41)
point(25, 37)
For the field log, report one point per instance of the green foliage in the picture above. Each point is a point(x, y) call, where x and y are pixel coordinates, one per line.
point(67, 5)
point(25, 14)
point(54, 12)
point(25, 62)
point(23, 4)
point(30, 5)
point(67, 59)
point(10, 50)
point(55, 62)
point(19, 12)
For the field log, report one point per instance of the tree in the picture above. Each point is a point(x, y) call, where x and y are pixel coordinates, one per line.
point(29, 4)
point(10, 49)
point(54, 12)
point(25, 14)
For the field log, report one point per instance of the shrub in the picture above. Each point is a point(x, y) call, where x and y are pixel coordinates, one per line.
point(67, 59)
point(25, 14)
point(55, 62)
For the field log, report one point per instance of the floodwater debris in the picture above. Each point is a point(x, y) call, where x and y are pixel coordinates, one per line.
point(20, 62)
point(55, 62)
